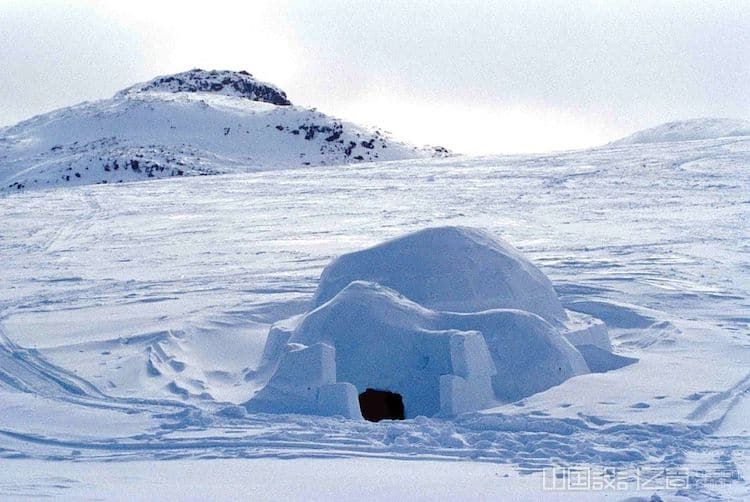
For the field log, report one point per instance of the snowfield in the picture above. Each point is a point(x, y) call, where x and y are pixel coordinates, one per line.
point(133, 320)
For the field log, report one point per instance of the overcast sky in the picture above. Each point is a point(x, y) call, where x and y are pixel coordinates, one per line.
point(477, 77)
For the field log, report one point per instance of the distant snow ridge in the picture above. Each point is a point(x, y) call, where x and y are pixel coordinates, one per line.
point(688, 130)
point(450, 319)
point(239, 84)
point(194, 123)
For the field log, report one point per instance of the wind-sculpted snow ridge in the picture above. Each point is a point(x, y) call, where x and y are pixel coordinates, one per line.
point(191, 124)
point(23, 370)
point(456, 320)
point(688, 130)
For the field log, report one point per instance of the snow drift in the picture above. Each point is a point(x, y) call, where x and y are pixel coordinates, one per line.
point(449, 318)
point(192, 123)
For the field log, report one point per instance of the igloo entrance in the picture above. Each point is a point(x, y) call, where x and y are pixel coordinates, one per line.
point(377, 405)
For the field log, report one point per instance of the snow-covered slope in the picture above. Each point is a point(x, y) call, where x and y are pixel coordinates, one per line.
point(134, 317)
point(192, 123)
point(688, 130)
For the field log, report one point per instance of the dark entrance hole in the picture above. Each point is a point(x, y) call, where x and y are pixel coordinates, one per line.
point(377, 405)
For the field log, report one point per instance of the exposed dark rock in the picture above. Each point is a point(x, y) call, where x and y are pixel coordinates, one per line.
point(349, 148)
point(333, 137)
point(241, 84)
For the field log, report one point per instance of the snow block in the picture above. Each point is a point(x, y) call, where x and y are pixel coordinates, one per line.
point(601, 361)
point(294, 387)
point(469, 354)
point(276, 343)
point(460, 395)
point(339, 399)
point(582, 329)
point(314, 365)
point(530, 355)
point(454, 269)
point(471, 382)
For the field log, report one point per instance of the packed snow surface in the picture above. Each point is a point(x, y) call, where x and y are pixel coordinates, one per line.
point(688, 130)
point(142, 311)
point(189, 124)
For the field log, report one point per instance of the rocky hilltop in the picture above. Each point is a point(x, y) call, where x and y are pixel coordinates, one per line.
point(240, 84)
point(193, 123)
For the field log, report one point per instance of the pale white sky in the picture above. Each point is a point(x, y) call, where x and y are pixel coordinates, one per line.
point(474, 76)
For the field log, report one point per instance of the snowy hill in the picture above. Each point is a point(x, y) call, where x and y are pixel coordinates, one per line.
point(688, 130)
point(193, 123)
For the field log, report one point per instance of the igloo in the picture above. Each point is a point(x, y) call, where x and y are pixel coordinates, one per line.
point(445, 321)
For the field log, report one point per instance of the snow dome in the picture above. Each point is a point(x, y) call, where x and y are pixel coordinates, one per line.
point(439, 322)
point(454, 269)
